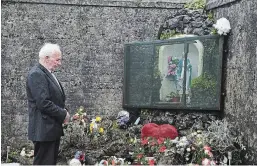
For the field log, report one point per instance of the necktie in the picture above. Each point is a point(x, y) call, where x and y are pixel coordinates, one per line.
point(56, 80)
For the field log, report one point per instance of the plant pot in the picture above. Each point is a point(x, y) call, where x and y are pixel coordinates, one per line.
point(175, 99)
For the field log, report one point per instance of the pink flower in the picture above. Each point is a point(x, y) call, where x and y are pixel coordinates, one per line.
point(206, 161)
point(210, 154)
point(105, 162)
point(207, 148)
point(75, 117)
point(160, 140)
point(144, 141)
point(169, 72)
point(169, 59)
point(162, 149)
point(152, 143)
point(151, 162)
point(139, 156)
point(173, 73)
point(173, 66)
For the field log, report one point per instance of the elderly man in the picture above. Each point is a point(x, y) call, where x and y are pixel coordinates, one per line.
point(46, 105)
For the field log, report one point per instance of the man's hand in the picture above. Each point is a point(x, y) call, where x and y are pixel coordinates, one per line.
point(67, 118)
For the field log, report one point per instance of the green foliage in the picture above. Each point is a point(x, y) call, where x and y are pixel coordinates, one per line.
point(210, 16)
point(12, 155)
point(204, 82)
point(175, 61)
point(173, 94)
point(195, 4)
point(80, 110)
point(9, 161)
point(115, 125)
point(168, 35)
point(75, 135)
point(214, 31)
point(199, 155)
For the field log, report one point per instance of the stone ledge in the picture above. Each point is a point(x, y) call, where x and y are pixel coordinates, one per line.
point(10, 164)
point(211, 4)
point(172, 4)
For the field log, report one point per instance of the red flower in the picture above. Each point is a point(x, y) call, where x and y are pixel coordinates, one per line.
point(160, 140)
point(151, 162)
point(105, 163)
point(162, 149)
point(82, 157)
point(139, 156)
point(144, 141)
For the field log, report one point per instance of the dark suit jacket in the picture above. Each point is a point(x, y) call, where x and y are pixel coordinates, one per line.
point(46, 102)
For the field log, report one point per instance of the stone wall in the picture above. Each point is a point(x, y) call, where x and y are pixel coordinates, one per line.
point(241, 66)
point(92, 35)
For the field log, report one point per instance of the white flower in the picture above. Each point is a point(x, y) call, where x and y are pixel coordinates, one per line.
point(188, 149)
point(206, 161)
point(199, 131)
point(213, 162)
point(181, 144)
point(183, 138)
point(74, 162)
point(174, 141)
point(206, 151)
point(223, 26)
point(194, 133)
point(243, 147)
point(225, 160)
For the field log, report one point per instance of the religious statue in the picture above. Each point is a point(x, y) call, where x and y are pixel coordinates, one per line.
point(180, 74)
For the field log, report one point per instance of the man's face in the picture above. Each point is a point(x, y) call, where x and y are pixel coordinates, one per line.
point(54, 61)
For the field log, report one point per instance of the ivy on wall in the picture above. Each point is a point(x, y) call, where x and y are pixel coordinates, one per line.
point(196, 4)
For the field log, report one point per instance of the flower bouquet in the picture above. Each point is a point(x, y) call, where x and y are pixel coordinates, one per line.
point(172, 67)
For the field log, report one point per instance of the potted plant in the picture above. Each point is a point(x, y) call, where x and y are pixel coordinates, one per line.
point(173, 97)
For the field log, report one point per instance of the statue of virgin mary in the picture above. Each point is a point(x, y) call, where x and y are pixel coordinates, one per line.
point(180, 74)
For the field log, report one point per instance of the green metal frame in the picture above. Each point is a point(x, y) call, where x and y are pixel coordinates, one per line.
point(186, 41)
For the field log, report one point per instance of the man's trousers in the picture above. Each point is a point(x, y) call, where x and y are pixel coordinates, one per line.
point(46, 153)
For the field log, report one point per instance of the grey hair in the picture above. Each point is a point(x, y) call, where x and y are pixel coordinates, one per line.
point(49, 49)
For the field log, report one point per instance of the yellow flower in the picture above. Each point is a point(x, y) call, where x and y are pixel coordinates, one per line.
point(91, 127)
point(98, 119)
point(101, 130)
